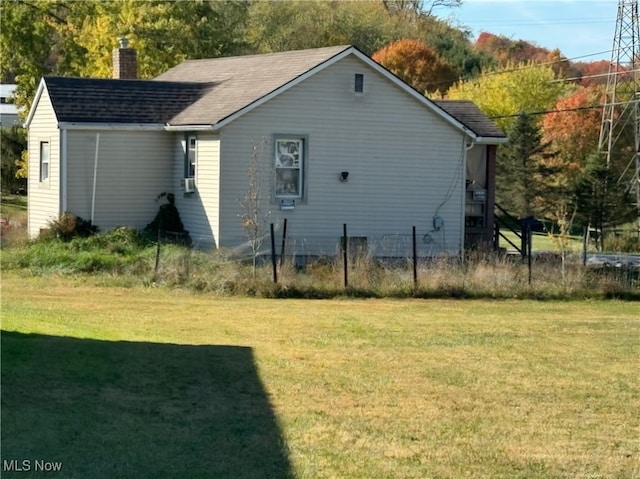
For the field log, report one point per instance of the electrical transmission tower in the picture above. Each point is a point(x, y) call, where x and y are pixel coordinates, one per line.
point(620, 128)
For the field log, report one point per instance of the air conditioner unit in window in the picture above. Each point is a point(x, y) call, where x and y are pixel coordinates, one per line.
point(189, 185)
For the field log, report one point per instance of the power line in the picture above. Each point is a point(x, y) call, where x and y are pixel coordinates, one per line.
point(625, 72)
point(522, 68)
point(563, 110)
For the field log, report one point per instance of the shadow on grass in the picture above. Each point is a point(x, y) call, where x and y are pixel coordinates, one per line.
point(126, 409)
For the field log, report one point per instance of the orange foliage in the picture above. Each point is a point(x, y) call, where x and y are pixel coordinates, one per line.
point(417, 64)
point(504, 50)
point(593, 73)
point(576, 132)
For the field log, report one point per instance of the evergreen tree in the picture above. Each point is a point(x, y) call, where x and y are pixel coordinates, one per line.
point(602, 201)
point(519, 169)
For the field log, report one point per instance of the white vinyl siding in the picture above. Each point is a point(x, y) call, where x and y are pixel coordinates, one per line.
point(199, 210)
point(44, 196)
point(133, 168)
point(405, 163)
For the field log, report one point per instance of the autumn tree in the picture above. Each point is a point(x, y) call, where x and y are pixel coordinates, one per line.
point(51, 37)
point(502, 94)
point(584, 183)
point(418, 65)
point(573, 127)
point(592, 73)
point(505, 50)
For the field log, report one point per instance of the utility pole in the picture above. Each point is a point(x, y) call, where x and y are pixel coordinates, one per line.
point(620, 127)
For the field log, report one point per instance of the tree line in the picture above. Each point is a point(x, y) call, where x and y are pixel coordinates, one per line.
point(549, 106)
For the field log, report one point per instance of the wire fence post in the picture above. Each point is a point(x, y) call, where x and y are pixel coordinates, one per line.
point(345, 258)
point(159, 237)
point(584, 245)
point(415, 260)
point(273, 255)
point(529, 236)
point(284, 239)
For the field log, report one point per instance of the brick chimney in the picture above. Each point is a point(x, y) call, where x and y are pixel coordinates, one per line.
point(125, 63)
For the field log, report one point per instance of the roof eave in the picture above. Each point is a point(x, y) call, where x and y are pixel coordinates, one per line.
point(34, 103)
point(78, 125)
point(491, 140)
point(195, 127)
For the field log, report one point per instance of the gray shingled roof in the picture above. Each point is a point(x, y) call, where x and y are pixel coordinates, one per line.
point(92, 100)
point(205, 92)
point(467, 113)
point(242, 80)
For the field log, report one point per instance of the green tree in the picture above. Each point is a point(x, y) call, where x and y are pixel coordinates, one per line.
point(452, 45)
point(299, 24)
point(13, 142)
point(520, 169)
point(502, 94)
point(52, 37)
point(602, 201)
point(419, 6)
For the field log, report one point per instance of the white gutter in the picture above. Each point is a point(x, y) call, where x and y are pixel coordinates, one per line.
point(489, 140)
point(95, 179)
point(190, 127)
point(70, 125)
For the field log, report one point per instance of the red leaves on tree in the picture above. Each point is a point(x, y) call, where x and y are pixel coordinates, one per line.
point(575, 127)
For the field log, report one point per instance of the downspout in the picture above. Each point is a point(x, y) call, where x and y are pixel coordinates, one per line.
point(95, 179)
point(63, 171)
point(466, 148)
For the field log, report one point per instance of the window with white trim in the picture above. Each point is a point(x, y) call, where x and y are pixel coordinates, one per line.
point(44, 161)
point(191, 157)
point(289, 164)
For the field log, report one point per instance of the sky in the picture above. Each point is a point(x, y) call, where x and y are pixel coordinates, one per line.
point(581, 29)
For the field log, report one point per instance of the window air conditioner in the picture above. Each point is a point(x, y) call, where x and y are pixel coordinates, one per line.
point(189, 185)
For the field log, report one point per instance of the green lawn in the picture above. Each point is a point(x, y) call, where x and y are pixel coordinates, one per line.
point(542, 242)
point(13, 205)
point(115, 382)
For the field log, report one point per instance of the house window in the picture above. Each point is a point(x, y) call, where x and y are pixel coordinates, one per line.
point(289, 164)
point(191, 157)
point(359, 83)
point(44, 161)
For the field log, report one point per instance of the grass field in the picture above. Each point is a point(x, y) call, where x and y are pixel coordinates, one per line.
point(543, 242)
point(148, 383)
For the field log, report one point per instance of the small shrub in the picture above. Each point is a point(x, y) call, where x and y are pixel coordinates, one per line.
point(626, 242)
point(167, 224)
point(69, 226)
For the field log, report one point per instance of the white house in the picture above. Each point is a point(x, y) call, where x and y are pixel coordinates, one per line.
point(340, 140)
point(8, 111)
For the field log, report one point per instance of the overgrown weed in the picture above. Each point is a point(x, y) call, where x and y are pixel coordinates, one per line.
point(125, 257)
